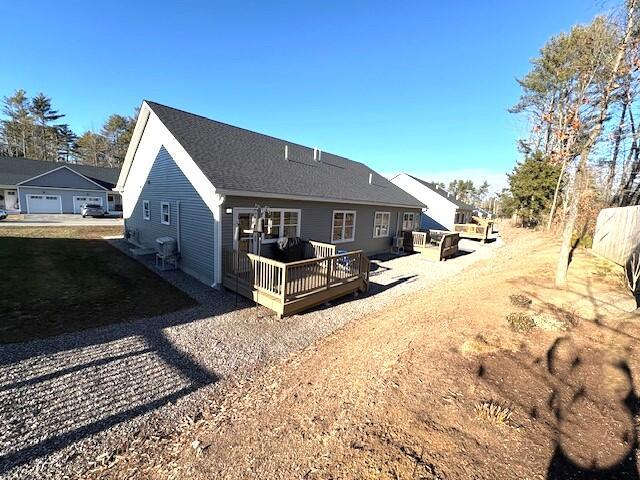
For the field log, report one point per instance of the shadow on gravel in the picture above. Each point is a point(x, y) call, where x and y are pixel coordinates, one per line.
point(58, 391)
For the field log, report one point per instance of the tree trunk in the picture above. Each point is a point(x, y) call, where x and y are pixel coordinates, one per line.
point(565, 249)
point(608, 186)
point(570, 222)
point(556, 193)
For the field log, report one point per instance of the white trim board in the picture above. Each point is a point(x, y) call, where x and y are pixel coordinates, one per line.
point(38, 187)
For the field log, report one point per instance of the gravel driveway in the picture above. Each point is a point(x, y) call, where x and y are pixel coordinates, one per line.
point(68, 400)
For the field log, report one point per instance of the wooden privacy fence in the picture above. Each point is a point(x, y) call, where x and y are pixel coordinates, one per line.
point(617, 233)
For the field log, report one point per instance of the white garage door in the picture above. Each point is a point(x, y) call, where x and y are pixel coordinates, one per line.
point(79, 201)
point(44, 204)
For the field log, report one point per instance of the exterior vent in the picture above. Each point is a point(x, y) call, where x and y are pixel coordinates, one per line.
point(317, 154)
point(286, 152)
point(370, 178)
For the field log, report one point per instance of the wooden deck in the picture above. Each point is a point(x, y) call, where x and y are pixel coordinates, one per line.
point(436, 245)
point(474, 230)
point(288, 288)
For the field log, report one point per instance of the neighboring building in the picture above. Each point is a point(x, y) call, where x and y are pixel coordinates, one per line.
point(443, 210)
point(198, 181)
point(35, 186)
point(482, 213)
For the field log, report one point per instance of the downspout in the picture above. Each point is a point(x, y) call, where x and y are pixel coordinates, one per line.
point(178, 224)
point(217, 233)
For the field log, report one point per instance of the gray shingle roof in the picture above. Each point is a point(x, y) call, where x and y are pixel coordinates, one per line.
point(236, 159)
point(442, 192)
point(14, 170)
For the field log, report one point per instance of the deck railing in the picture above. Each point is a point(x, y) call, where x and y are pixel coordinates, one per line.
point(479, 231)
point(415, 239)
point(315, 249)
point(300, 278)
point(315, 274)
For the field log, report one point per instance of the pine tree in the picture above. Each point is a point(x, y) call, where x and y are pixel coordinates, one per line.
point(44, 114)
point(17, 129)
point(66, 143)
point(531, 187)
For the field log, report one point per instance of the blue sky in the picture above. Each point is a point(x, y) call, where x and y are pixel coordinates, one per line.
point(421, 87)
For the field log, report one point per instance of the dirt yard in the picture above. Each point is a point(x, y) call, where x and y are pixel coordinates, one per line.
point(439, 387)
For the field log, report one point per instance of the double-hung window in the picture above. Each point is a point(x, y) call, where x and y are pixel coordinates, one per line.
point(284, 223)
point(146, 211)
point(343, 226)
point(410, 220)
point(381, 224)
point(165, 213)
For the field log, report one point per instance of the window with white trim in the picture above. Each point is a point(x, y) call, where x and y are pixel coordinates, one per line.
point(381, 222)
point(410, 220)
point(165, 213)
point(284, 223)
point(343, 226)
point(146, 210)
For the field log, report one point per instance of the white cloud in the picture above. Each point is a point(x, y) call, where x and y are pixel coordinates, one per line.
point(497, 180)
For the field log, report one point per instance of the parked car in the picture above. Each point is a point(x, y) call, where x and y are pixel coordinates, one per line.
point(91, 210)
point(3, 214)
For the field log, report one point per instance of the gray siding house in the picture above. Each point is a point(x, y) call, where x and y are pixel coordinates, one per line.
point(200, 181)
point(34, 186)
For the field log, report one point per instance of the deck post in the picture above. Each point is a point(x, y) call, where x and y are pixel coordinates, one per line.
point(283, 293)
point(329, 265)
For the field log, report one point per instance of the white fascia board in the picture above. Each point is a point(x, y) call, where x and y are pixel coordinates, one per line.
point(40, 187)
point(136, 137)
point(154, 136)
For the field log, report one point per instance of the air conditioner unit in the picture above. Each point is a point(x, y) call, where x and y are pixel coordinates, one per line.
point(166, 247)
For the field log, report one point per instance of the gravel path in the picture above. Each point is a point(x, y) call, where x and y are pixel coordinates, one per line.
point(67, 400)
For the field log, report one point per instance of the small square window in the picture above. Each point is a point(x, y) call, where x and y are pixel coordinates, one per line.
point(165, 213)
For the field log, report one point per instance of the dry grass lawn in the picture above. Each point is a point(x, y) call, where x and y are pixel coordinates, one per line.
point(57, 280)
point(440, 387)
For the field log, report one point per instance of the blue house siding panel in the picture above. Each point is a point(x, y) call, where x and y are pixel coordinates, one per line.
point(167, 183)
point(62, 178)
point(65, 195)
